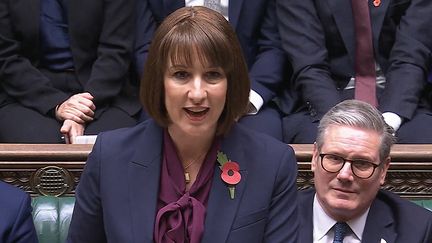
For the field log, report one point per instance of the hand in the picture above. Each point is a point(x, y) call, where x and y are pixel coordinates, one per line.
point(71, 130)
point(78, 108)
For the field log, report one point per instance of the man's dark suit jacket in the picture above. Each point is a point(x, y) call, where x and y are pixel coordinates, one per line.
point(101, 36)
point(390, 217)
point(16, 221)
point(256, 27)
point(319, 38)
point(116, 199)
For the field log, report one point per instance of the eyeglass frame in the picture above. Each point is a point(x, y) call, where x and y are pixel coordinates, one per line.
point(322, 155)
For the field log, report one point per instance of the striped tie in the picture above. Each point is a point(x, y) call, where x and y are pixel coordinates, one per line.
point(340, 229)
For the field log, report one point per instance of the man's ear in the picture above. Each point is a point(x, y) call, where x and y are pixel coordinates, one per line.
point(385, 166)
point(315, 155)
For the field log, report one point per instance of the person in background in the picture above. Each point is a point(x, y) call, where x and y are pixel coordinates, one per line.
point(16, 221)
point(350, 161)
point(190, 173)
point(64, 69)
point(256, 28)
point(376, 51)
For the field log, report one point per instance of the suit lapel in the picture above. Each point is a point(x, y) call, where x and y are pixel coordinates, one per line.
point(377, 19)
point(379, 224)
point(306, 198)
point(221, 209)
point(234, 9)
point(342, 13)
point(143, 181)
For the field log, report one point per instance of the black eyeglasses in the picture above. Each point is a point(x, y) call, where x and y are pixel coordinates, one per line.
point(361, 168)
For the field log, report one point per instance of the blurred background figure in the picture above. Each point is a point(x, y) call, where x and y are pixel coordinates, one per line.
point(65, 69)
point(16, 221)
point(375, 51)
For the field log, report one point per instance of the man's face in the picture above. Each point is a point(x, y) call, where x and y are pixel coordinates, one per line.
point(343, 195)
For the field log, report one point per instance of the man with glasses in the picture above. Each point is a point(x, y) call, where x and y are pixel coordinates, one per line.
point(350, 161)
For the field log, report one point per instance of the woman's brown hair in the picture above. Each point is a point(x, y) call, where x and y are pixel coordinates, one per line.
point(208, 33)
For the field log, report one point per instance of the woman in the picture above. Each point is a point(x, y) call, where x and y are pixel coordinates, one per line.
point(190, 174)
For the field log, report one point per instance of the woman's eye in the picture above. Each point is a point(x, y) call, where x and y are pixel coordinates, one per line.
point(213, 76)
point(181, 75)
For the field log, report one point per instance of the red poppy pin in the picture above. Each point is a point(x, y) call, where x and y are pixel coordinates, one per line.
point(377, 3)
point(230, 172)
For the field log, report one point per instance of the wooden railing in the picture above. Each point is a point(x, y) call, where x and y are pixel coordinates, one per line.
point(55, 169)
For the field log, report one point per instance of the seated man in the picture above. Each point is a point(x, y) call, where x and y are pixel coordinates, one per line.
point(350, 162)
point(375, 51)
point(64, 69)
point(16, 221)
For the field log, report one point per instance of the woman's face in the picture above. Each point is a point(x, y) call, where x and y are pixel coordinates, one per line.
point(194, 97)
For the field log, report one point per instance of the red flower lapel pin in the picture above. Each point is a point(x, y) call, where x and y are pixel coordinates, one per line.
point(230, 172)
point(377, 3)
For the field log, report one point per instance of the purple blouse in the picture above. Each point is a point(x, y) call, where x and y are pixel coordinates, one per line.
point(180, 217)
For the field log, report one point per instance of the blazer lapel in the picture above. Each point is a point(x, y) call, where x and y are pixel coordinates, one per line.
point(221, 209)
point(234, 9)
point(305, 199)
point(143, 180)
point(377, 20)
point(379, 224)
point(342, 12)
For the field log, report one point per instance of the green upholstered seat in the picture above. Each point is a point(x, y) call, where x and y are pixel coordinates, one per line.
point(426, 203)
point(52, 216)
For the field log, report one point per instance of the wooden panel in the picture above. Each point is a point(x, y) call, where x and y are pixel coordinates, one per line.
point(55, 169)
point(59, 165)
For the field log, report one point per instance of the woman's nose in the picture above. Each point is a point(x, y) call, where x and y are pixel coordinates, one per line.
point(197, 92)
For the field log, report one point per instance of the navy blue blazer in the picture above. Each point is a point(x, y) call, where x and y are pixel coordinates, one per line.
point(256, 26)
point(16, 221)
point(390, 217)
point(116, 199)
point(319, 38)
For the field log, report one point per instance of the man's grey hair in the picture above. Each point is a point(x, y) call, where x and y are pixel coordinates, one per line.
point(358, 114)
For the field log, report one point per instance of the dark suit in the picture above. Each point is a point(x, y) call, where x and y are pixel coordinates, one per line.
point(116, 199)
point(101, 39)
point(319, 38)
point(256, 28)
point(390, 218)
point(16, 221)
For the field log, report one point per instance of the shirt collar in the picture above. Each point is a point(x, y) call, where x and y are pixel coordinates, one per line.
point(322, 223)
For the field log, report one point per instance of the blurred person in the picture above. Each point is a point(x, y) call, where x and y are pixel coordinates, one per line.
point(376, 51)
point(16, 221)
point(64, 69)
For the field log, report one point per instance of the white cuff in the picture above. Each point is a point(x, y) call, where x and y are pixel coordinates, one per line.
point(255, 102)
point(392, 120)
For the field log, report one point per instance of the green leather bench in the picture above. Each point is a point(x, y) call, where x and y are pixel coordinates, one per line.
point(52, 216)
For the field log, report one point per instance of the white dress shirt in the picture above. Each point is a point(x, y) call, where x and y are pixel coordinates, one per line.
point(323, 226)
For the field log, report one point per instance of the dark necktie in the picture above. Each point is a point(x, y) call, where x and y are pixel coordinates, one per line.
point(340, 229)
point(365, 76)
